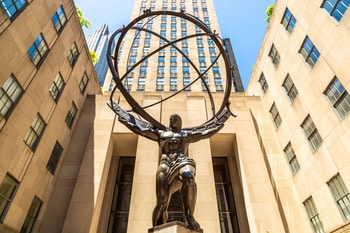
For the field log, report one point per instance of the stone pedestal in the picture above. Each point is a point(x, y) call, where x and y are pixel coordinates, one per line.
point(173, 227)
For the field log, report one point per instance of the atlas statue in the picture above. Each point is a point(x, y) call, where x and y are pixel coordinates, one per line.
point(176, 170)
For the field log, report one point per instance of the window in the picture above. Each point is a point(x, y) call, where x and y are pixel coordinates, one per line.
point(73, 55)
point(187, 81)
point(12, 7)
point(71, 114)
point(57, 87)
point(288, 21)
point(216, 70)
point(205, 83)
point(173, 59)
point(201, 59)
point(134, 49)
point(141, 84)
point(32, 216)
point(10, 94)
point(275, 116)
point(160, 69)
point(83, 83)
point(146, 50)
point(341, 195)
point(290, 88)
point(8, 189)
point(212, 50)
point(311, 133)
point(274, 55)
point(291, 158)
point(263, 83)
point(35, 132)
point(309, 52)
point(338, 98)
point(313, 215)
point(202, 69)
point(143, 69)
point(119, 214)
point(160, 84)
point(336, 8)
point(38, 51)
point(132, 59)
point(213, 59)
point(128, 82)
point(54, 158)
point(161, 59)
point(186, 70)
point(173, 84)
point(225, 198)
point(59, 19)
point(173, 69)
point(147, 40)
point(218, 84)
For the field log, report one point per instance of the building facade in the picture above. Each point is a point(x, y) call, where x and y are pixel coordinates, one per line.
point(98, 42)
point(46, 74)
point(302, 77)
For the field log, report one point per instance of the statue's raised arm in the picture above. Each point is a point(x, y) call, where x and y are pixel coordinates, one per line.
point(136, 125)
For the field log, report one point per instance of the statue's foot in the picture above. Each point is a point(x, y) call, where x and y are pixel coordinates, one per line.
point(192, 223)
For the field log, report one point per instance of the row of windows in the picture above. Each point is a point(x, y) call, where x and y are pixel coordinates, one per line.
point(8, 188)
point(11, 92)
point(308, 51)
point(335, 8)
point(13, 7)
point(341, 196)
point(173, 6)
point(173, 83)
point(336, 94)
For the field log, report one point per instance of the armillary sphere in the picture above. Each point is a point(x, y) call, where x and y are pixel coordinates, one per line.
point(141, 25)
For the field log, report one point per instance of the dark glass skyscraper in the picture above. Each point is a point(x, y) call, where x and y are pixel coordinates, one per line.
point(97, 42)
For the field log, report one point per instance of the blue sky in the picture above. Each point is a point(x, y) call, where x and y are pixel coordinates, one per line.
point(241, 21)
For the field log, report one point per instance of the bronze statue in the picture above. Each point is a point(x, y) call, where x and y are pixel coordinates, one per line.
point(176, 170)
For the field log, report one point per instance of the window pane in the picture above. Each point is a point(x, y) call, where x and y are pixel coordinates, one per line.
point(35, 132)
point(338, 98)
point(32, 215)
point(10, 94)
point(11, 7)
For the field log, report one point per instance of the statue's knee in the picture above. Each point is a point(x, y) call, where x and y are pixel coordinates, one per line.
point(187, 178)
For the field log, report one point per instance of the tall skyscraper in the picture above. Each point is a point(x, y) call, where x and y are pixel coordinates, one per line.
point(97, 42)
point(45, 77)
point(169, 70)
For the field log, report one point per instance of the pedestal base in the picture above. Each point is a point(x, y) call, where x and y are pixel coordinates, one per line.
point(172, 227)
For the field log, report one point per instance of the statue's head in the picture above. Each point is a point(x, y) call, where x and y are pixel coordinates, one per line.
point(175, 123)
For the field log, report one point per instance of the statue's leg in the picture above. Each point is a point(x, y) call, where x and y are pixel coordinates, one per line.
point(162, 191)
point(189, 196)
